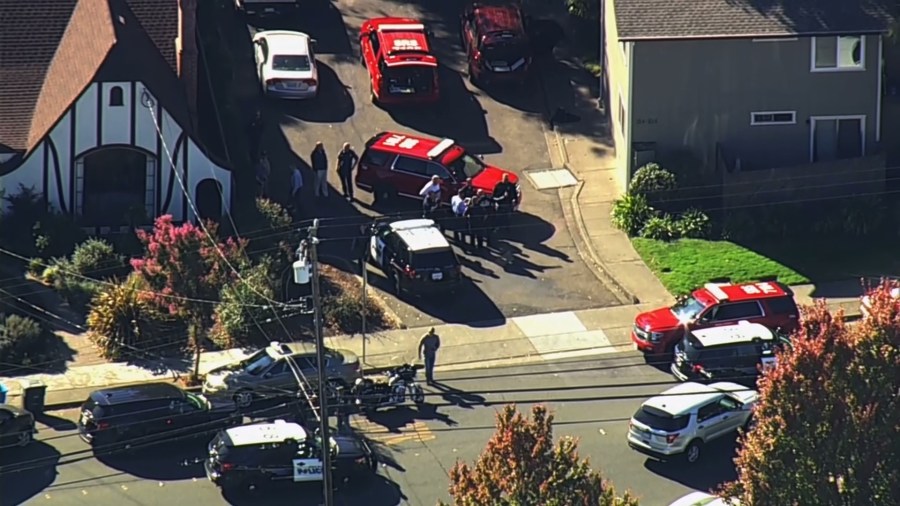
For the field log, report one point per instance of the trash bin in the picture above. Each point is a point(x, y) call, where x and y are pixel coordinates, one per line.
point(3, 391)
point(33, 395)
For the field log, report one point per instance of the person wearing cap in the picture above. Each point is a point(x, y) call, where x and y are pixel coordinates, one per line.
point(428, 347)
point(346, 160)
point(319, 161)
point(431, 196)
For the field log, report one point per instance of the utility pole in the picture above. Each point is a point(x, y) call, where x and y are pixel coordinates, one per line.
point(323, 375)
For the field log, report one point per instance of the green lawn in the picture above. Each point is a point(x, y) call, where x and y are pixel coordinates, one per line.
point(685, 264)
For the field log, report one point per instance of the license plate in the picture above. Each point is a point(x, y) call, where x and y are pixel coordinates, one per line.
point(437, 276)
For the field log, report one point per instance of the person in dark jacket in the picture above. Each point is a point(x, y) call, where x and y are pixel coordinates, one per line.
point(346, 160)
point(505, 196)
point(255, 131)
point(467, 189)
point(319, 161)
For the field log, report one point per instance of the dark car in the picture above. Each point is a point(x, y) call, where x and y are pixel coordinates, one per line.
point(729, 353)
point(497, 46)
point(149, 413)
point(416, 256)
point(16, 426)
point(248, 457)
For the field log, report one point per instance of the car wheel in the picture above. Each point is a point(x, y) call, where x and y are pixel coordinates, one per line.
point(692, 452)
point(243, 398)
point(23, 438)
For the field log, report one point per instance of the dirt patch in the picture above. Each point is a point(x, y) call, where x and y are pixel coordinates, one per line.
point(342, 300)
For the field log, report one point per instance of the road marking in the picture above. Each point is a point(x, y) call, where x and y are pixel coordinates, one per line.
point(415, 431)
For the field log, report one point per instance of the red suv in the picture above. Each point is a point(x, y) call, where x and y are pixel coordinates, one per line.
point(401, 164)
point(496, 44)
point(398, 57)
point(769, 303)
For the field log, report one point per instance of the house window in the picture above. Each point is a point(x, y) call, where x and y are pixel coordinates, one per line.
point(773, 118)
point(830, 54)
point(621, 114)
point(115, 96)
point(837, 138)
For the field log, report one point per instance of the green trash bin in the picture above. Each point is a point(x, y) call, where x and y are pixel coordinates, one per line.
point(34, 393)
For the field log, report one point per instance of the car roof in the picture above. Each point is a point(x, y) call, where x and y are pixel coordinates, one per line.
point(745, 291)
point(493, 17)
point(293, 348)
point(136, 393)
point(743, 332)
point(420, 235)
point(261, 433)
point(680, 399)
point(416, 146)
point(286, 42)
point(403, 41)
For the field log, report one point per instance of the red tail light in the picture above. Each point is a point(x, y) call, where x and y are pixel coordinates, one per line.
point(698, 369)
point(309, 82)
point(671, 438)
point(272, 82)
point(410, 272)
point(102, 425)
point(226, 466)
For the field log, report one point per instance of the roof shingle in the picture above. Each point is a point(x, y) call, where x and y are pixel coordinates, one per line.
point(683, 19)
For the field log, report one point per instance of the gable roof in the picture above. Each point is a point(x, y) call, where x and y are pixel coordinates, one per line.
point(688, 19)
point(50, 50)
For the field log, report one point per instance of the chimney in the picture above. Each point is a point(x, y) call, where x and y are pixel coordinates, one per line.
point(188, 56)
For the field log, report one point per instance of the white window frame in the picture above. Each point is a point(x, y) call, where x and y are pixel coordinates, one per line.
point(754, 122)
point(776, 39)
point(812, 131)
point(862, 55)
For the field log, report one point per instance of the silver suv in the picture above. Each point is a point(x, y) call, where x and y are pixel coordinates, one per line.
point(679, 421)
point(273, 371)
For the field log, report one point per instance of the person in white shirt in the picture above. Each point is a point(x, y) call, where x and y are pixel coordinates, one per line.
point(460, 207)
point(431, 196)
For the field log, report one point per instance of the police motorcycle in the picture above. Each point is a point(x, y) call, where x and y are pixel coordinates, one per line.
point(390, 389)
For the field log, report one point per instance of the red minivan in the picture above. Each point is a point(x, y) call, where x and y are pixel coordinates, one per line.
point(396, 164)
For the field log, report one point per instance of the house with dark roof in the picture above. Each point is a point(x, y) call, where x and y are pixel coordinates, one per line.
point(752, 90)
point(97, 107)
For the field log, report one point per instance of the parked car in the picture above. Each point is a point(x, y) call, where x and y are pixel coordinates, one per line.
point(416, 256)
point(680, 421)
point(713, 305)
point(248, 457)
point(273, 371)
point(395, 164)
point(286, 64)
point(123, 417)
point(732, 352)
point(703, 499)
point(266, 7)
point(17, 426)
point(494, 36)
point(398, 57)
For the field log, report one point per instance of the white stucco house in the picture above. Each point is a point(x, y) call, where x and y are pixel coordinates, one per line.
point(97, 112)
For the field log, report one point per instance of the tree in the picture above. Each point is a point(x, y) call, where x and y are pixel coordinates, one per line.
point(186, 268)
point(828, 416)
point(521, 466)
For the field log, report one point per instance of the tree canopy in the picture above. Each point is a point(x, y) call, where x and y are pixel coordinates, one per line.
point(829, 415)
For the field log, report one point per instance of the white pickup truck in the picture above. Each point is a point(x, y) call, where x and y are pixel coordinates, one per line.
point(265, 7)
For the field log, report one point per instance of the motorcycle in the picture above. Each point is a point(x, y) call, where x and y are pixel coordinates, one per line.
point(391, 389)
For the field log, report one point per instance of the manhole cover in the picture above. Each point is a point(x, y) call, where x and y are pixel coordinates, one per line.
point(552, 178)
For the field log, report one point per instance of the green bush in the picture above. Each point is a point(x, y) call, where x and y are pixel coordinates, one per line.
point(24, 342)
point(652, 178)
point(36, 267)
point(661, 228)
point(343, 312)
point(694, 224)
point(96, 258)
point(630, 213)
point(242, 308)
point(77, 292)
point(121, 322)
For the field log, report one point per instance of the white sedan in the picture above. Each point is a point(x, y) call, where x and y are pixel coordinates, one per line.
point(702, 499)
point(286, 64)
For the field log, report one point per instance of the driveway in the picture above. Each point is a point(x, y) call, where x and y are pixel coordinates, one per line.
point(535, 268)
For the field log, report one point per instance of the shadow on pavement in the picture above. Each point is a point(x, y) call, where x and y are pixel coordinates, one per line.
point(374, 491)
point(26, 472)
point(162, 462)
point(395, 419)
point(322, 21)
point(55, 423)
point(334, 104)
point(717, 467)
point(458, 397)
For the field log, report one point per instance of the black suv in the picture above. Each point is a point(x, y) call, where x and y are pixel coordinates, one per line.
point(248, 457)
point(142, 414)
point(415, 256)
point(727, 353)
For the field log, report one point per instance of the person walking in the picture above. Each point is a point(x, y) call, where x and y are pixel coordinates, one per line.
point(428, 347)
point(296, 191)
point(346, 160)
point(263, 171)
point(319, 161)
point(255, 131)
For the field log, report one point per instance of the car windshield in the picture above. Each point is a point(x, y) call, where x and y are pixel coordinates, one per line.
point(408, 79)
point(291, 62)
point(688, 308)
point(432, 258)
point(506, 47)
point(258, 362)
point(465, 167)
point(660, 420)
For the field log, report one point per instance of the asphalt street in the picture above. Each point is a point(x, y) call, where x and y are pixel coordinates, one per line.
point(535, 267)
point(592, 400)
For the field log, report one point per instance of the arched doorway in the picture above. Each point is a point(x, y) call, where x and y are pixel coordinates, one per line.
point(209, 199)
point(115, 186)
